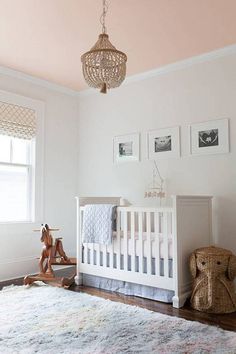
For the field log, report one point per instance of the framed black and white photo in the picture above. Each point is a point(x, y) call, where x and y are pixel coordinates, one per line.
point(209, 137)
point(126, 148)
point(163, 143)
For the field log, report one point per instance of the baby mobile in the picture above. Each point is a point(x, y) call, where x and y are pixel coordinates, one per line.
point(155, 188)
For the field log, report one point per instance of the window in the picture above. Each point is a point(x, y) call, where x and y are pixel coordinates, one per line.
point(17, 163)
point(15, 179)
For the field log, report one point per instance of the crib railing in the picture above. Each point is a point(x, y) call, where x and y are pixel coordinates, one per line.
point(140, 251)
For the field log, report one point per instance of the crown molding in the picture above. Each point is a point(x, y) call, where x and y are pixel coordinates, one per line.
point(37, 81)
point(179, 65)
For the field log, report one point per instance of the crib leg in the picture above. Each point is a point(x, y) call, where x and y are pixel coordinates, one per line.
point(176, 302)
point(79, 279)
point(179, 301)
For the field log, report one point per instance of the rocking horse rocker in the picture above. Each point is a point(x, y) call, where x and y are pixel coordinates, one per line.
point(52, 254)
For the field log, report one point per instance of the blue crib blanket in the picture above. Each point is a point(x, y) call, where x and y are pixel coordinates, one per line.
point(98, 223)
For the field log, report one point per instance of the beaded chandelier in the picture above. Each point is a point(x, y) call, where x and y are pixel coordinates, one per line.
point(104, 66)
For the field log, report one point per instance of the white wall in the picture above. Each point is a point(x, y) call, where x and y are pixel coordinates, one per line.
point(19, 246)
point(201, 92)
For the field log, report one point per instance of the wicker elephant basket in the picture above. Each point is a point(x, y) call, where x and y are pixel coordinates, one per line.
point(213, 270)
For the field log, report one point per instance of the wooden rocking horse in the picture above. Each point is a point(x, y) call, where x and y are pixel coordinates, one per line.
point(52, 254)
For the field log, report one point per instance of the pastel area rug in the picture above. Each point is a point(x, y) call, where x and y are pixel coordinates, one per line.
point(43, 319)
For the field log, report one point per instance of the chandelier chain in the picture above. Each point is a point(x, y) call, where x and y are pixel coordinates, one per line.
point(103, 16)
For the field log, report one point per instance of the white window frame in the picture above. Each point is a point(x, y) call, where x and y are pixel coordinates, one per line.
point(36, 174)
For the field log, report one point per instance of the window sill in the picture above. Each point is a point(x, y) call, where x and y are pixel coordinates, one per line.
point(17, 222)
point(16, 228)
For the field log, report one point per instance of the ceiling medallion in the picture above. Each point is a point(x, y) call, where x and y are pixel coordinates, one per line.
point(104, 67)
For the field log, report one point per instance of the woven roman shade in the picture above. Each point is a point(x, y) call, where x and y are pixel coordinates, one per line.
point(17, 121)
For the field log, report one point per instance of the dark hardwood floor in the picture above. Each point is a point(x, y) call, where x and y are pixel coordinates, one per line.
point(227, 321)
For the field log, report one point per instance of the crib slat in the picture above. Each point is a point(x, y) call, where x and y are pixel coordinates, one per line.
point(149, 249)
point(85, 253)
point(140, 231)
point(125, 241)
point(92, 254)
point(85, 250)
point(98, 254)
point(118, 241)
point(111, 252)
point(165, 240)
point(81, 242)
point(157, 244)
point(95, 254)
point(104, 255)
point(132, 231)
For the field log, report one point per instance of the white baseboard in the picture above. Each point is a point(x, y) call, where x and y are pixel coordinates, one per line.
point(20, 267)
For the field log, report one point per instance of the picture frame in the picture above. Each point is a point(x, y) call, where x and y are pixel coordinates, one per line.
point(211, 137)
point(126, 148)
point(163, 143)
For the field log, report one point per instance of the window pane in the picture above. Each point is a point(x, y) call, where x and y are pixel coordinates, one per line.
point(5, 143)
point(13, 193)
point(20, 150)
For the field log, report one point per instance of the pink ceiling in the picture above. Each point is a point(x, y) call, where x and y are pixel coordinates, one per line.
point(46, 38)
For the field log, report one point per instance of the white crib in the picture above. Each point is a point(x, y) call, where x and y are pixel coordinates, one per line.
point(151, 246)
